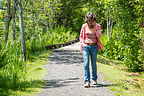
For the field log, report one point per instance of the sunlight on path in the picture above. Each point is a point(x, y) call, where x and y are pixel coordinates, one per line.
point(65, 75)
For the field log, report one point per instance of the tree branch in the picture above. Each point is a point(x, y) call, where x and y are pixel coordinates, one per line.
point(25, 5)
point(15, 4)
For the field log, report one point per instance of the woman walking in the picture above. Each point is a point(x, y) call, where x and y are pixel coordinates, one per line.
point(90, 44)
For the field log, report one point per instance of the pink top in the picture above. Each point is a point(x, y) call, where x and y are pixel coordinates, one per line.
point(97, 31)
point(90, 36)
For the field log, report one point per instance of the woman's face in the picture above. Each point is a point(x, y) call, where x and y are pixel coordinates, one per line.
point(91, 23)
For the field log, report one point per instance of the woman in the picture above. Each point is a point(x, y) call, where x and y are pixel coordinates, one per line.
point(90, 44)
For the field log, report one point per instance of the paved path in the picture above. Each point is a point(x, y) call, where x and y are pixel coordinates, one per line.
point(65, 75)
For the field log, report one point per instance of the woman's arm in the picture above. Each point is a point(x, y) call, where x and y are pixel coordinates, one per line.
point(81, 36)
point(98, 31)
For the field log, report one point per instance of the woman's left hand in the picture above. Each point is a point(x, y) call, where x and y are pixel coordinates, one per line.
point(94, 24)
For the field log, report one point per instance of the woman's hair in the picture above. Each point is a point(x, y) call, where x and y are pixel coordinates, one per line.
point(90, 16)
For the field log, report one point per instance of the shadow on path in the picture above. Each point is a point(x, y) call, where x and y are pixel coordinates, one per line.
point(105, 85)
point(59, 82)
point(65, 76)
point(66, 57)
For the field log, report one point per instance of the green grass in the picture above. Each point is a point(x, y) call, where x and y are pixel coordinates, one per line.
point(124, 83)
point(33, 77)
point(18, 77)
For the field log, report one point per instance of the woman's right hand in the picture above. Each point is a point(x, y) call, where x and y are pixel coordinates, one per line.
point(84, 44)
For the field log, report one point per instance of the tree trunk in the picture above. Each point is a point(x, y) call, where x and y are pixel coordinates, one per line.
point(108, 25)
point(14, 23)
point(33, 19)
point(33, 24)
point(7, 20)
point(22, 29)
point(111, 29)
point(47, 30)
point(50, 15)
point(51, 20)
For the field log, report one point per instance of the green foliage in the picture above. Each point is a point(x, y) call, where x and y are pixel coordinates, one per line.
point(141, 51)
point(72, 14)
point(125, 42)
point(11, 59)
point(124, 83)
point(41, 16)
point(28, 82)
point(58, 35)
point(39, 20)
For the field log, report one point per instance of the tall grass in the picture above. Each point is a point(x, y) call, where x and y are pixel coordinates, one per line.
point(12, 67)
point(57, 35)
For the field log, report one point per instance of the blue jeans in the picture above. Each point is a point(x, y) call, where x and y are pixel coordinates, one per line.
point(92, 52)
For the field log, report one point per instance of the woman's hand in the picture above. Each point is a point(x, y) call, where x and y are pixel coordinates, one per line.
point(84, 44)
point(91, 24)
point(94, 24)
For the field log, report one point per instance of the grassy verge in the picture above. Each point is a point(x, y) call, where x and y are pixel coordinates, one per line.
point(124, 83)
point(33, 77)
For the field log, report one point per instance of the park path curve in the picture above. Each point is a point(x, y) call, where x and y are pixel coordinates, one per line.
point(65, 75)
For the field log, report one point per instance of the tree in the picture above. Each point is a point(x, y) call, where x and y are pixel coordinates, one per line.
point(14, 22)
point(20, 10)
point(8, 19)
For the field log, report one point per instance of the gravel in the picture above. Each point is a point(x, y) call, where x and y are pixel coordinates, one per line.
point(65, 75)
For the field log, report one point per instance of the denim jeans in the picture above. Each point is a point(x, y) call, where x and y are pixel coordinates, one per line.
point(92, 52)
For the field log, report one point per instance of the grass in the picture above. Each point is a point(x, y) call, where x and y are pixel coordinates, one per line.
point(125, 83)
point(15, 78)
point(33, 77)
